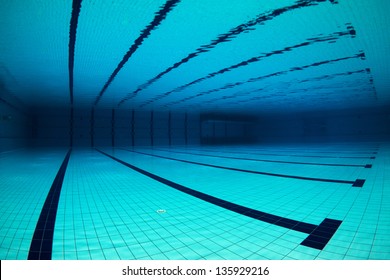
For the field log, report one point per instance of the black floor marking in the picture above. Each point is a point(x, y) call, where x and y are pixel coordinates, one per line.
point(283, 155)
point(42, 242)
point(159, 17)
point(321, 235)
point(356, 183)
point(266, 160)
point(315, 150)
point(226, 37)
point(308, 149)
point(324, 231)
point(359, 183)
point(76, 7)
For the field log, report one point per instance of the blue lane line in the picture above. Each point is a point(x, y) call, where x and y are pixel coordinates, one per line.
point(274, 161)
point(76, 7)
point(145, 33)
point(313, 150)
point(289, 155)
point(322, 234)
point(356, 183)
point(318, 237)
point(42, 242)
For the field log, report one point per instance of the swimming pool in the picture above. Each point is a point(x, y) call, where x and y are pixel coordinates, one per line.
point(295, 201)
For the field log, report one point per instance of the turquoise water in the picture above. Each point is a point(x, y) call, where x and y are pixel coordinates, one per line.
point(293, 46)
point(107, 210)
point(151, 73)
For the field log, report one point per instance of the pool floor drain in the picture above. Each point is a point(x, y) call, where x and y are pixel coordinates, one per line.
point(161, 211)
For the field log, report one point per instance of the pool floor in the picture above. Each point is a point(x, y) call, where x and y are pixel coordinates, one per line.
point(278, 202)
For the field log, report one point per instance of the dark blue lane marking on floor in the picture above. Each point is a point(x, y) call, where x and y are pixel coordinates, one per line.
point(322, 231)
point(359, 183)
point(313, 150)
point(323, 152)
point(281, 155)
point(266, 160)
point(323, 156)
point(356, 183)
point(322, 234)
point(42, 242)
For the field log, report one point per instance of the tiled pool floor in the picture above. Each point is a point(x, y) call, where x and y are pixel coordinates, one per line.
point(198, 202)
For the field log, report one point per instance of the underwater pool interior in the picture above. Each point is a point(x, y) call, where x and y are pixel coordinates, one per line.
point(195, 130)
